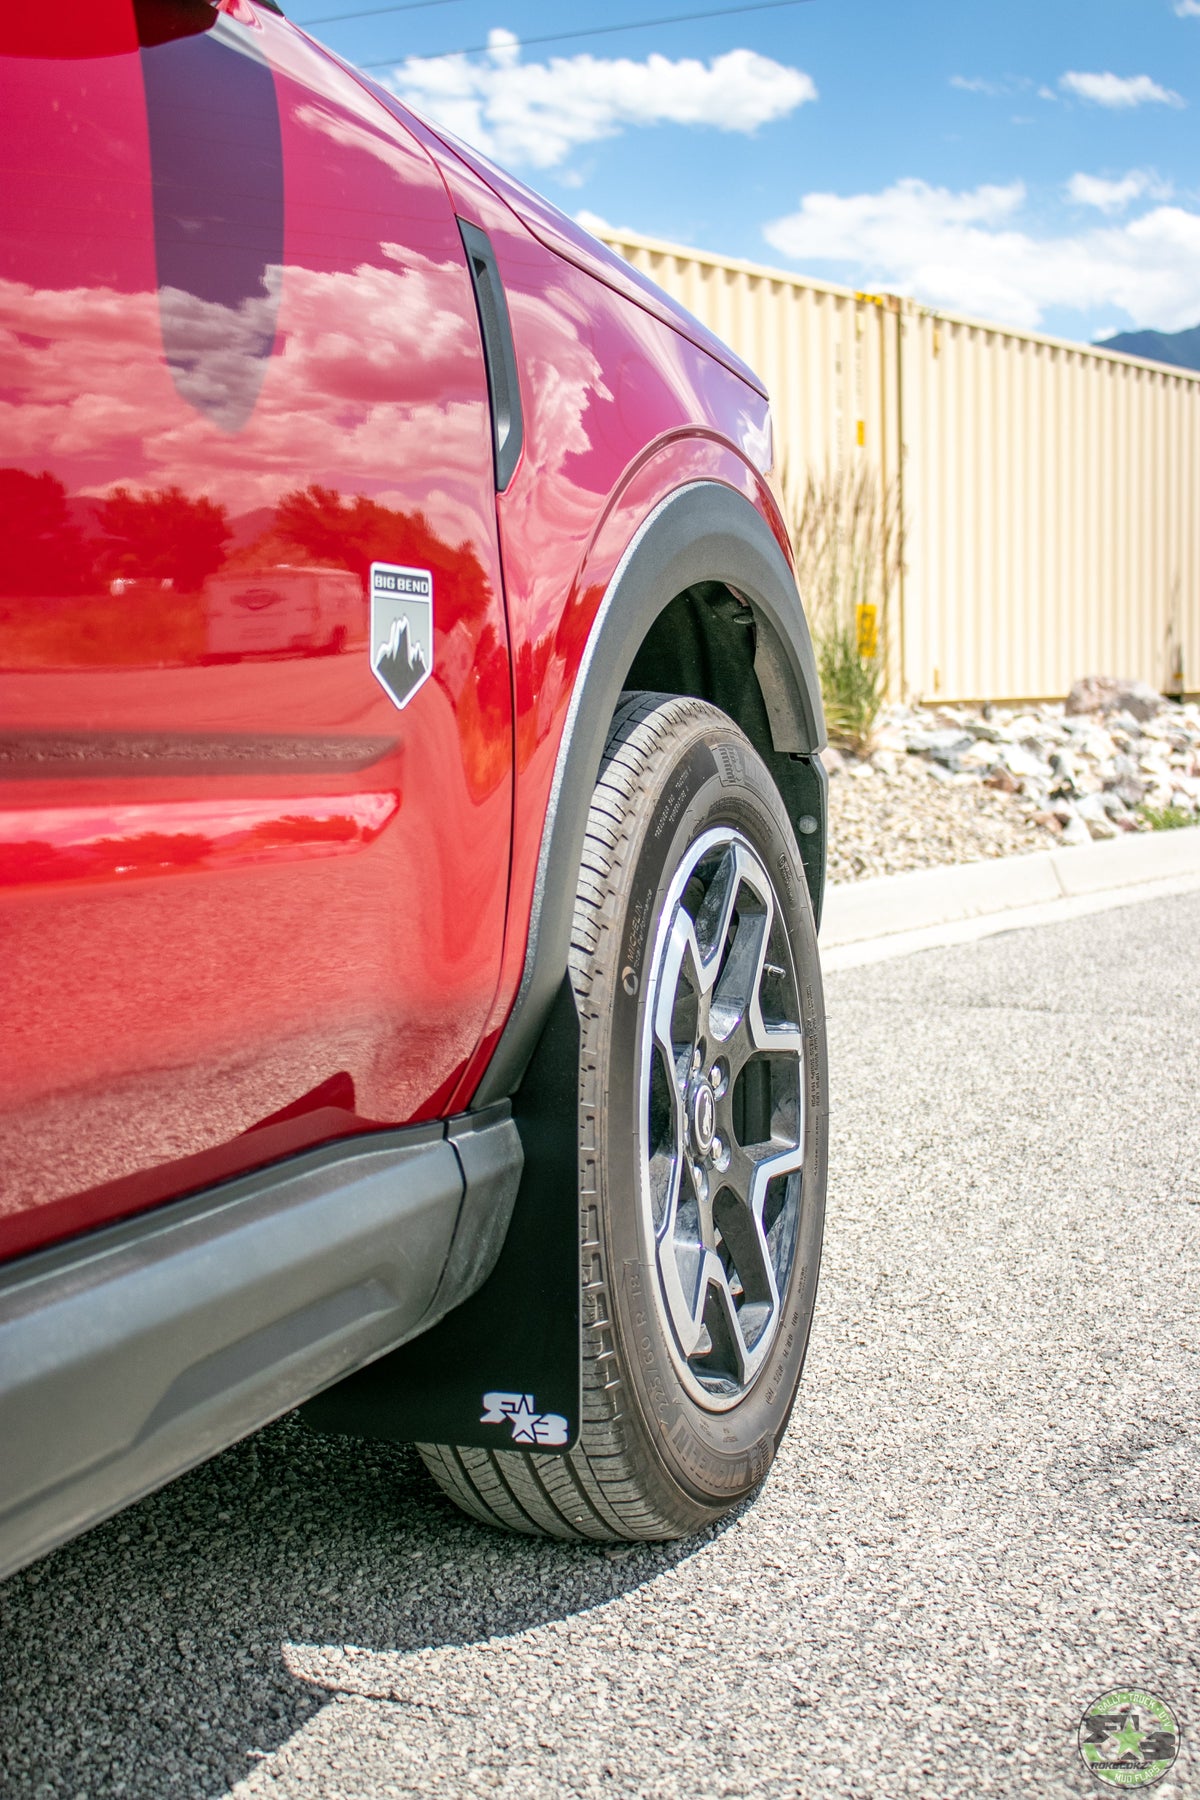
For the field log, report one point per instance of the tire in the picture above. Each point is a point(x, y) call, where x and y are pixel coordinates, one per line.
point(699, 1256)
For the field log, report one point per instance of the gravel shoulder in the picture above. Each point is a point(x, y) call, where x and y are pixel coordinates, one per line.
point(986, 1512)
point(891, 819)
point(962, 784)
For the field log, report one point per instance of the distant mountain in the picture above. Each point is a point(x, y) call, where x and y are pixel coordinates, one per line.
point(1180, 348)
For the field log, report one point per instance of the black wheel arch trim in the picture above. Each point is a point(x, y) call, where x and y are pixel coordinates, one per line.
point(701, 534)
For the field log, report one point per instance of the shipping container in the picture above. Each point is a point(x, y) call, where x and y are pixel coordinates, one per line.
point(1051, 490)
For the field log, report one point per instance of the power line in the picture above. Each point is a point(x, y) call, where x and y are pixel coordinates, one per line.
point(373, 12)
point(563, 37)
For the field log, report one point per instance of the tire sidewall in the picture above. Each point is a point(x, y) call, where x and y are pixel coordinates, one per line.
point(713, 778)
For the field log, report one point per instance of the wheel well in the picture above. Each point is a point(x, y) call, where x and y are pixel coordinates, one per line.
point(707, 549)
point(703, 643)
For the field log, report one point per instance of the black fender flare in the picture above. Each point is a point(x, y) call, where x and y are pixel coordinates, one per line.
point(703, 533)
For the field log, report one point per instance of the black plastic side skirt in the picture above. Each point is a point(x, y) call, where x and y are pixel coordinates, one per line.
point(130, 1355)
point(504, 1370)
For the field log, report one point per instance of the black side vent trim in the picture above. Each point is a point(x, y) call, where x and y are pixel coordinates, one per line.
point(503, 387)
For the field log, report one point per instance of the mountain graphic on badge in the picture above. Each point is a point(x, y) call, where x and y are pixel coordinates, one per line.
point(400, 664)
point(402, 636)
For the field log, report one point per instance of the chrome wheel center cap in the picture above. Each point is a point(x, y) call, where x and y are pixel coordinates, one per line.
point(703, 1118)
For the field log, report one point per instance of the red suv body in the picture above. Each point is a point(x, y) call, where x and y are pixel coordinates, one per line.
point(342, 486)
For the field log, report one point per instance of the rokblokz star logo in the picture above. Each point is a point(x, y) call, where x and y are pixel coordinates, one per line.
point(544, 1431)
point(1128, 1738)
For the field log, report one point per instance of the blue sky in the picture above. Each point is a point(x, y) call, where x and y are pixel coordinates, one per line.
point(1032, 161)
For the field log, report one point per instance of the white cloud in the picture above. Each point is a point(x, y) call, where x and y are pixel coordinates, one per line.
point(99, 381)
point(1012, 86)
point(974, 251)
point(600, 227)
point(1118, 91)
point(538, 113)
point(1115, 196)
point(920, 237)
point(595, 223)
point(1188, 9)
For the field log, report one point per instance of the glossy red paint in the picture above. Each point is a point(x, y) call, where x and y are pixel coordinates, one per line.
point(232, 870)
point(621, 409)
point(111, 842)
point(245, 903)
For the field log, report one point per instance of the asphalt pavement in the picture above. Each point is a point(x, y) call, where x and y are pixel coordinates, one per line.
point(985, 1514)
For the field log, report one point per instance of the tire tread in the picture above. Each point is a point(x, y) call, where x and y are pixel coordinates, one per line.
point(601, 1490)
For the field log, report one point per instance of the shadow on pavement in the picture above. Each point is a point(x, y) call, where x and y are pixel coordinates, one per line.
point(147, 1658)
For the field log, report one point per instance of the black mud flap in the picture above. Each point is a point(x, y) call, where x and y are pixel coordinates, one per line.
point(503, 1371)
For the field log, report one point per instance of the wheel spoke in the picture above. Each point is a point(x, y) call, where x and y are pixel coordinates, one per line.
point(712, 1275)
point(739, 1177)
point(787, 1038)
point(666, 1194)
point(717, 1289)
point(681, 963)
point(682, 1257)
point(713, 916)
point(727, 1110)
point(739, 1047)
point(744, 1235)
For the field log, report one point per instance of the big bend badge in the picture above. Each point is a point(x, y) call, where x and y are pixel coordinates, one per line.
point(401, 629)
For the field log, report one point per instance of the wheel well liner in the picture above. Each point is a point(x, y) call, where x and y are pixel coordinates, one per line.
point(702, 602)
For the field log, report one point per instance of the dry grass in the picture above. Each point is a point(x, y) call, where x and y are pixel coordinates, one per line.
point(848, 537)
point(144, 627)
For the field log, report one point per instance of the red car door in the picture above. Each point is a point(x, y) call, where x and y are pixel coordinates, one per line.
point(255, 716)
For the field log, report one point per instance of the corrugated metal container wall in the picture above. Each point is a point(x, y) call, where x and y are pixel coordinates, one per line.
point(818, 348)
point(1051, 491)
point(1052, 495)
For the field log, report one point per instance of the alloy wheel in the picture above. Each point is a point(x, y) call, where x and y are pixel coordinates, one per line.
point(721, 1102)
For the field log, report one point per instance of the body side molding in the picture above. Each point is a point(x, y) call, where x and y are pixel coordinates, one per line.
point(705, 532)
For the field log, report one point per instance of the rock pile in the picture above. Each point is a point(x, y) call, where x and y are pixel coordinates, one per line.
point(957, 784)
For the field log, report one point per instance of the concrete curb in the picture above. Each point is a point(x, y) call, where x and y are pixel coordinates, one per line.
point(932, 901)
